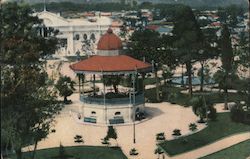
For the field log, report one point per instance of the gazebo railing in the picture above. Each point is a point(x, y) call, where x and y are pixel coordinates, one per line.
point(139, 99)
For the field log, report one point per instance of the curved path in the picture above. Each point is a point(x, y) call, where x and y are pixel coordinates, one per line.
point(214, 147)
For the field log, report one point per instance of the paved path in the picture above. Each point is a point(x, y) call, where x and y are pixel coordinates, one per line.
point(214, 147)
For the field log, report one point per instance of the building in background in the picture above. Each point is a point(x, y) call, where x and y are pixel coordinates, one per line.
point(78, 35)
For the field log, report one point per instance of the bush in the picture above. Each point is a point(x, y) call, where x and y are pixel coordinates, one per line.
point(192, 126)
point(78, 139)
point(105, 141)
point(237, 114)
point(176, 132)
point(172, 97)
point(160, 136)
point(212, 113)
point(133, 152)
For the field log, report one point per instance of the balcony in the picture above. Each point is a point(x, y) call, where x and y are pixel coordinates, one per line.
point(139, 99)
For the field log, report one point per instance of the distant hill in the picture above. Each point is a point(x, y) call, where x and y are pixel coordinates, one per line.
point(192, 3)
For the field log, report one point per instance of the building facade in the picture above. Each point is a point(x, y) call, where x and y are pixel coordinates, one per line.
point(77, 35)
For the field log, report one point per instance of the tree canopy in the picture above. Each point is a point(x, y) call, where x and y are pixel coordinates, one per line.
point(28, 104)
point(65, 86)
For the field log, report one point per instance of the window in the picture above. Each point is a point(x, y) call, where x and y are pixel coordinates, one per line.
point(92, 37)
point(117, 113)
point(85, 37)
point(93, 112)
point(77, 37)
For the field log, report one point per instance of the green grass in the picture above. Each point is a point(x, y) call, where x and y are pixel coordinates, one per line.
point(184, 99)
point(82, 152)
point(216, 130)
point(239, 151)
point(149, 81)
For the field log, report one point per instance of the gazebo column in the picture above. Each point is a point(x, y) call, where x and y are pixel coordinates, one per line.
point(104, 101)
point(94, 85)
point(143, 84)
point(79, 82)
point(143, 87)
point(82, 93)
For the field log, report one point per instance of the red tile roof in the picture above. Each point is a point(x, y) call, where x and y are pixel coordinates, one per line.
point(120, 63)
point(109, 41)
point(152, 27)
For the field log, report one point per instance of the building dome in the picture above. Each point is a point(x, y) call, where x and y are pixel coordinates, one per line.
point(109, 41)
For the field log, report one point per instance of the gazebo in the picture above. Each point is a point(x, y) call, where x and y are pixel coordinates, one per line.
point(111, 107)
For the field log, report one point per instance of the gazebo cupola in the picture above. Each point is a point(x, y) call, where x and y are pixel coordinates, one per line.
point(109, 44)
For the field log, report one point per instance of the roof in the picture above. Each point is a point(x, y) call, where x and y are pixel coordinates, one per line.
point(117, 23)
point(115, 64)
point(58, 21)
point(152, 27)
point(109, 41)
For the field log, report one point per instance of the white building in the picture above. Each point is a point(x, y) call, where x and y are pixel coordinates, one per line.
point(78, 35)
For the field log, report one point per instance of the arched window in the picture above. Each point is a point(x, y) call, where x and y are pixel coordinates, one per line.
point(117, 113)
point(85, 37)
point(92, 37)
point(93, 112)
point(77, 37)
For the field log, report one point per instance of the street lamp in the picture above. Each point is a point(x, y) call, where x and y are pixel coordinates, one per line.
point(134, 140)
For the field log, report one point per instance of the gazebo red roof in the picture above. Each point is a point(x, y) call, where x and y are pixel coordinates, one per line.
point(120, 63)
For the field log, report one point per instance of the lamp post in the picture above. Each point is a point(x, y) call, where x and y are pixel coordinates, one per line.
point(134, 140)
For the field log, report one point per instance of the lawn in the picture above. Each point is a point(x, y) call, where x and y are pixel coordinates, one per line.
point(239, 151)
point(216, 130)
point(184, 99)
point(82, 152)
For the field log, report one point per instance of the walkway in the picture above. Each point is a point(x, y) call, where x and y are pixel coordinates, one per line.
point(162, 117)
point(214, 147)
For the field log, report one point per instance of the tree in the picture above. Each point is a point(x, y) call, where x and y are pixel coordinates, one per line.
point(208, 51)
point(28, 106)
point(65, 87)
point(166, 74)
point(188, 39)
point(149, 46)
point(112, 80)
point(199, 108)
point(204, 74)
point(111, 133)
point(226, 59)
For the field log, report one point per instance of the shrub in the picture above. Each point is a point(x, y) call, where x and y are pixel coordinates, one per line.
point(172, 97)
point(105, 141)
point(78, 139)
point(176, 132)
point(212, 113)
point(237, 114)
point(53, 130)
point(192, 126)
point(133, 152)
point(158, 151)
point(160, 136)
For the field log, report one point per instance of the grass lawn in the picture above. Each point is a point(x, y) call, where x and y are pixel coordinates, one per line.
point(239, 151)
point(82, 152)
point(184, 99)
point(216, 130)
